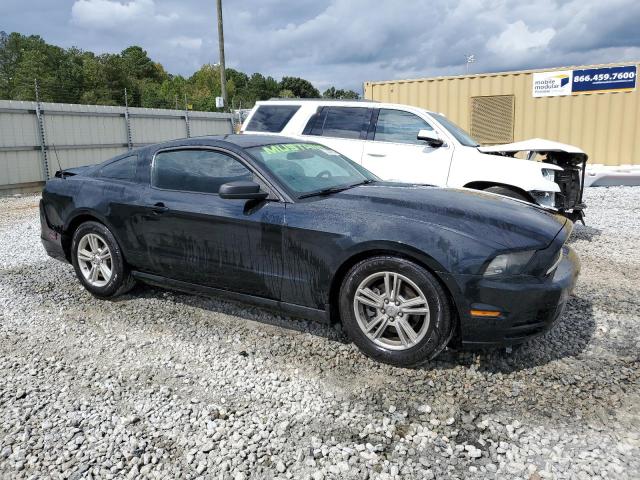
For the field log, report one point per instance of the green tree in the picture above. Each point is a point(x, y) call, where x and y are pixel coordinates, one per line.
point(116, 80)
point(204, 87)
point(173, 91)
point(138, 65)
point(286, 94)
point(331, 92)
point(300, 87)
point(13, 48)
point(73, 75)
point(95, 88)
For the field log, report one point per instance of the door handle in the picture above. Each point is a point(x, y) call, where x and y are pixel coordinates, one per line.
point(159, 208)
point(376, 154)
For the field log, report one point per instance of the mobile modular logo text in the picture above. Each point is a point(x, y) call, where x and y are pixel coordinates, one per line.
point(552, 84)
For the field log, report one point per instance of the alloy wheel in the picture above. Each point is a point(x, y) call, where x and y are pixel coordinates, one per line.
point(94, 259)
point(391, 310)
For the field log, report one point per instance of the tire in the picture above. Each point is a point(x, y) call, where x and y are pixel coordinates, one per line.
point(91, 239)
point(507, 192)
point(395, 344)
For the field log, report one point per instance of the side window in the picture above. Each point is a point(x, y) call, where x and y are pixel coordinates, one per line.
point(399, 127)
point(123, 169)
point(196, 170)
point(271, 118)
point(341, 122)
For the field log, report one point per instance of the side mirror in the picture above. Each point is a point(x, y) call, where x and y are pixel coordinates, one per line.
point(431, 137)
point(242, 190)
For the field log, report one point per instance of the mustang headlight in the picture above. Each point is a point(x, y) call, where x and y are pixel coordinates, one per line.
point(509, 263)
point(556, 261)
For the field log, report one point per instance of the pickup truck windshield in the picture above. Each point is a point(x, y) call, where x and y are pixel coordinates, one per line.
point(463, 137)
point(309, 168)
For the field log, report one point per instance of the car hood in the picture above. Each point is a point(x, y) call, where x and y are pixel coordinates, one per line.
point(532, 145)
point(554, 153)
point(488, 218)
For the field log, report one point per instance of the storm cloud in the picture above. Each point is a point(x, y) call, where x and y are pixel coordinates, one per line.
point(343, 42)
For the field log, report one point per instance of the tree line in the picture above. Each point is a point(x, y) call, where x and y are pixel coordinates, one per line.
point(72, 75)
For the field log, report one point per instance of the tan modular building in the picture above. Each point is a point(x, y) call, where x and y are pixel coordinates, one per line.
point(596, 107)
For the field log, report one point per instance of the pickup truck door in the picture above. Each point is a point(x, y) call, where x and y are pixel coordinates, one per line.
point(393, 152)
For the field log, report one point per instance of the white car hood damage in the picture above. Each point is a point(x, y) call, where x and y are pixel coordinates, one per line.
point(535, 145)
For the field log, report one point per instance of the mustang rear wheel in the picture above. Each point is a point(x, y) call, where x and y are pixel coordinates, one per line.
point(98, 261)
point(395, 311)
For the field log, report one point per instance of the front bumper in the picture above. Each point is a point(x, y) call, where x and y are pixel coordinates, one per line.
point(529, 306)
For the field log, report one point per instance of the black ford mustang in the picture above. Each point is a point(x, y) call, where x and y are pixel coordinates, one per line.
point(407, 269)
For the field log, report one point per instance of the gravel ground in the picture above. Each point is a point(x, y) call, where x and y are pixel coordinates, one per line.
point(165, 385)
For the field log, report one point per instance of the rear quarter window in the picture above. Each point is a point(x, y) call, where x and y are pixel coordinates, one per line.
point(271, 118)
point(123, 169)
point(340, 122)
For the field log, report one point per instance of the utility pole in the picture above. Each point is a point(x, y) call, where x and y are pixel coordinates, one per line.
point(223, 76)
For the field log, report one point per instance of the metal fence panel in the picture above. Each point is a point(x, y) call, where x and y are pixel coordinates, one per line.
point(74, 129)
point(20, 166)
point(18, 128)
point(156, 129)
point(205, 126)
point(86, 134)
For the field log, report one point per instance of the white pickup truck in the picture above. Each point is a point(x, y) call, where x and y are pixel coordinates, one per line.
point(413, 145)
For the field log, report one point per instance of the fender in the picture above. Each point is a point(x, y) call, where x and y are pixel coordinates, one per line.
point(88, 212)
point(370, 248)
point(471, 166)
point(84, 211)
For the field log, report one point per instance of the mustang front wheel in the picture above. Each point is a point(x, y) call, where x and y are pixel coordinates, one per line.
point(395, 311)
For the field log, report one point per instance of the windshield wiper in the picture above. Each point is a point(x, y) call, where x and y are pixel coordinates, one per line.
point(336, 189)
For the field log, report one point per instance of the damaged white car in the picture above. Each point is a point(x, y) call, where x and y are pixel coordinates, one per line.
point(413, 145)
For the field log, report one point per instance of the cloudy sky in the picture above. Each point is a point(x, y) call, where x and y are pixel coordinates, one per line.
point(343, 42)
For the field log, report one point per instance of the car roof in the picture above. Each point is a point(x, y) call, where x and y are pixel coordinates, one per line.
point(336, 102)
point(245, 140)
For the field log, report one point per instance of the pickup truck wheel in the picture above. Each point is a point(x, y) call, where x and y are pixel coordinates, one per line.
point(395, 311)
point(98, 261)
point(507, 192)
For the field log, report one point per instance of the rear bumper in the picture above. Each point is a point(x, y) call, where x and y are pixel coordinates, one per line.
point(51, 240)
point(528, 306)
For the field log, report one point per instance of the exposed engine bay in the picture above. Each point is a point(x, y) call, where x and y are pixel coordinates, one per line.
point(570, 179)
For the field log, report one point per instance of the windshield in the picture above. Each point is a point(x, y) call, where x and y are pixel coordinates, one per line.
point(463, 137)
point(307, 168)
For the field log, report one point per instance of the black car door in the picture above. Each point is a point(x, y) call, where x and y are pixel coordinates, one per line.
point(195, 236)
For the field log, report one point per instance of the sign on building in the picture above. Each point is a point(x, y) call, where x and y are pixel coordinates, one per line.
point(604, 79)
point(552, 84)
point(592, 80)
